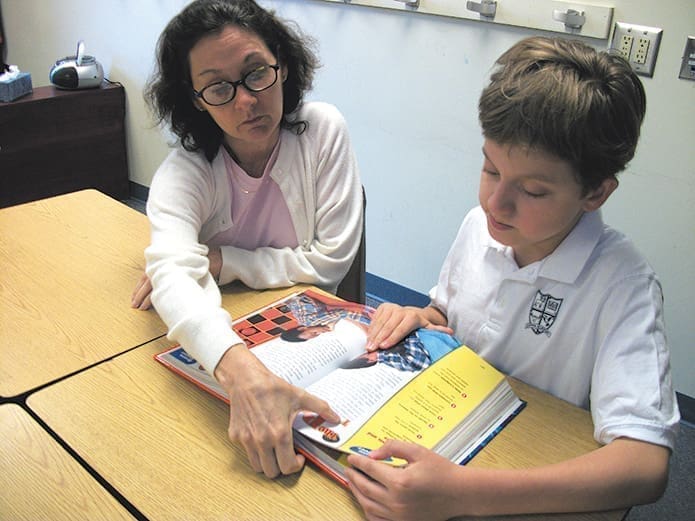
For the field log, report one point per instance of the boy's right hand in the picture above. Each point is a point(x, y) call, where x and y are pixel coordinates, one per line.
point(392, 323)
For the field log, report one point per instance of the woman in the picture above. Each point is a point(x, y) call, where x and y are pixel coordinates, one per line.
point(264, 189)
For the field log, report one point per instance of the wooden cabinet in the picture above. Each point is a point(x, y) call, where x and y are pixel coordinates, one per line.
point(58, 141)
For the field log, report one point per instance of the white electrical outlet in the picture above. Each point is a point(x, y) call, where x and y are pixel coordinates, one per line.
point(638, 44)
point(642, 51)
point(626, 45)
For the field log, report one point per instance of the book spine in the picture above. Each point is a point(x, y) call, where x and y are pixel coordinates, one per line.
point(492, 434)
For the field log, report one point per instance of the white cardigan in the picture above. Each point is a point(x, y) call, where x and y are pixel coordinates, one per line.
point(189, 203)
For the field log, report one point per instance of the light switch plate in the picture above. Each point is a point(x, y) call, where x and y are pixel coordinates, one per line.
point(638, 44)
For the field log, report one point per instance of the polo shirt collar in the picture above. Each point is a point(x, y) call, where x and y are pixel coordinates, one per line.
point(569, 258)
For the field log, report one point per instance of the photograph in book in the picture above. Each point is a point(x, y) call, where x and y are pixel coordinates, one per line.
point(428, 389)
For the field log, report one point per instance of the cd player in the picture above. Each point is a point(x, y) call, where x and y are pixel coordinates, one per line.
point(77, 72)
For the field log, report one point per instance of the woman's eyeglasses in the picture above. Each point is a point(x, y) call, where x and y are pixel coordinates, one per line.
point(257, 80)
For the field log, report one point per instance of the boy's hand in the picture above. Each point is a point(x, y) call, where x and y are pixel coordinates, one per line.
point(426, 488)
point(392, 323)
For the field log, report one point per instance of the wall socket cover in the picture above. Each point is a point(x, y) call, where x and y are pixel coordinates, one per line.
point(638, 44)
point(688, 61)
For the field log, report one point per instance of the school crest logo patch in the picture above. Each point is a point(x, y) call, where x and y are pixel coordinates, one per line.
point(543, 312)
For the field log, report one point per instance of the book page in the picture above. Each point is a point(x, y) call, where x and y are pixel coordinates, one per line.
point(360, 388)
point(432, 405)
point(386, 403)
point(306, 335)
point(300, 338)
point(302, 363)
point(369, 388)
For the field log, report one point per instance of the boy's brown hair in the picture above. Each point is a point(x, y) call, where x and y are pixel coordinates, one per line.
point(569, 100)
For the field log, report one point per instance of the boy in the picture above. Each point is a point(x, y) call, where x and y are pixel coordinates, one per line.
point(537, 285)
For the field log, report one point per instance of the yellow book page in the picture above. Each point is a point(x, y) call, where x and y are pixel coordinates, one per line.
point(431, 405)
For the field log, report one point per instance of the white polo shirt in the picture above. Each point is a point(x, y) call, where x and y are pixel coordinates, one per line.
point(584, 324)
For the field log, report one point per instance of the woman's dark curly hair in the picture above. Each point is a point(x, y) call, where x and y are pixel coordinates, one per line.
point(169, 91)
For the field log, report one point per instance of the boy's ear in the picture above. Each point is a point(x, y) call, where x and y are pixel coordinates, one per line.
point(596, 197)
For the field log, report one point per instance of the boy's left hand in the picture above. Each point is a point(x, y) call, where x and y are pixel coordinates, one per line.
point(392, 323)
point(423, 489)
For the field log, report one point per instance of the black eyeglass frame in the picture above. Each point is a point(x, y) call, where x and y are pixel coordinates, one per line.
point(235, 84)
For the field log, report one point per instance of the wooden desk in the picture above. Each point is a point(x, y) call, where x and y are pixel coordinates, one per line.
point(162, 442)
point(39, 480)
point(69, 265)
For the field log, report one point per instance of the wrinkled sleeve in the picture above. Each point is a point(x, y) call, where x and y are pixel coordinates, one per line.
point(184, 293)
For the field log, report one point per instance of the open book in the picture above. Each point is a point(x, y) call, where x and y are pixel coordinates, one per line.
point(428, 389)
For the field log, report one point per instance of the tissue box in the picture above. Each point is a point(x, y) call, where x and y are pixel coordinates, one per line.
point(12, 89)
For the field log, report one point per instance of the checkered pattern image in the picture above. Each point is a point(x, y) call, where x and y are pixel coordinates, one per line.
point(266, 324)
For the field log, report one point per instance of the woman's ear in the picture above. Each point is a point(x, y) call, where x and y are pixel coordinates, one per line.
point(284, 73)
point(596, 197)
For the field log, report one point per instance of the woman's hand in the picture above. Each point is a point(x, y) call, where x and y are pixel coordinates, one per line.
point(140, 299)
point(262, 409)
point(215, 258)
point(392, 323)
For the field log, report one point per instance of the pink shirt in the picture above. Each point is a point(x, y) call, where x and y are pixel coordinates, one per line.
point(260, 215)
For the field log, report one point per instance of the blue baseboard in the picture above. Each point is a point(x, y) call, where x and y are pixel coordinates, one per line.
point(686, 404)
point(139, 192)
point(382, 290)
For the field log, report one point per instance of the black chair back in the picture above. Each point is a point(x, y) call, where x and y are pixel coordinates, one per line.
point(352, 287)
